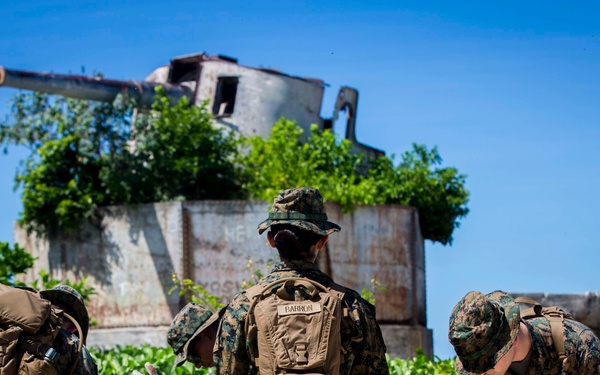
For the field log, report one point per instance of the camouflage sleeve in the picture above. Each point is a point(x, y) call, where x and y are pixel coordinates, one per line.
point(230, 355)
point(367, 354)
point(88, 366)
point(588, 355)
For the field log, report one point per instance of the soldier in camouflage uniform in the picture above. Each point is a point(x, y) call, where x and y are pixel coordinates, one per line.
point(299, 230)
point(192, 335)
point(69, 300)
point(490, 338)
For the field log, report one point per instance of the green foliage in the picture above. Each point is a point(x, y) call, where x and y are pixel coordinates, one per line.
point(282, 160)
point(124, 359)
point(255, 273)
point(13, 261)
point(421, 365)
point(196, 293)
point(438, 193)
point(70, 141)
point(45, 282)
point(87, 154)
point(368, 293)
point(177, 154)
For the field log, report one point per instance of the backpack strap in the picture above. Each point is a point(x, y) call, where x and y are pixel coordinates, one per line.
point(555, 317)
point(79, 346)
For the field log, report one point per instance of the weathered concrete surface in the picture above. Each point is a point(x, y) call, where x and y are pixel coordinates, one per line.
point(131, 255)
point(584, 307)
point(402, 341)
point(129, 259)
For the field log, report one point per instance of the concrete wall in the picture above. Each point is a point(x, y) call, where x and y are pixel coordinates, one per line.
point(262, 98)
point(131, 255)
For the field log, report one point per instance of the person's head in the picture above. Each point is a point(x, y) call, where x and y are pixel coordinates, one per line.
point(192, 335)
point(70, 301)
point(298, 223)
point(483, 329)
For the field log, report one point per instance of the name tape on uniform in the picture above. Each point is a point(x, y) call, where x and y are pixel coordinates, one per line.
point(298, 308)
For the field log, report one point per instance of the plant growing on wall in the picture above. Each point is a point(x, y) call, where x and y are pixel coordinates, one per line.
point(87, 154)
point(281, 161)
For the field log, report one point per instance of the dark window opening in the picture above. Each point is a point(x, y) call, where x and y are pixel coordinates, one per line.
point(183, 71)
point(225, 96)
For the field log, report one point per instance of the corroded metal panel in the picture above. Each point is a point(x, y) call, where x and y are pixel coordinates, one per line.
point(382, 243)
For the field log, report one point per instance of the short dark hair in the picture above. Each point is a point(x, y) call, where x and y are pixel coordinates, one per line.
point(292, 242)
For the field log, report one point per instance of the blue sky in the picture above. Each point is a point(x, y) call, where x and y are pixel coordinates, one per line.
point(508, 92)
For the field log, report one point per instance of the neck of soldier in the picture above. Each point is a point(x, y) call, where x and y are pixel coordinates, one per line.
point(524, 343)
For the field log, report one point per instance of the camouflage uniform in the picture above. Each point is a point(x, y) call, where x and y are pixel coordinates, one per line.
point(186, 326)
point(479, 322)
point(362, 342)
point(67, 341)
point(72, 302)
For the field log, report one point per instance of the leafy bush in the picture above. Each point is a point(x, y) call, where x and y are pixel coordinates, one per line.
point(13, 261)
point(196, 293)
point(125, 359)
point(421, 365)
point(282, 161)
point(122, 360)
point(88, 154)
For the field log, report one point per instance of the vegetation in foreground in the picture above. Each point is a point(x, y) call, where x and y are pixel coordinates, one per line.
point(125, 359)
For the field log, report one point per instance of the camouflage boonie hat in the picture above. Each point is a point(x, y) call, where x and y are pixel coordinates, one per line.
point(301, 207)
point(73, 301)
point(186, 326)
point(483, 327)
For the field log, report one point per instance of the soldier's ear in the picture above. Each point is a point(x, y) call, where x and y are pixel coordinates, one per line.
point(321, 243)
point(271, 239)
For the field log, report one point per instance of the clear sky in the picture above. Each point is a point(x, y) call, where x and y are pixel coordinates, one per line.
point(509, 92)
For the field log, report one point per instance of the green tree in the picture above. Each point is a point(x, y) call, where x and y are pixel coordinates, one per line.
point(71, 142)
point(87, 154)
point(177, 154)
point(437, 192)
point(281, 161)
point(13, 261)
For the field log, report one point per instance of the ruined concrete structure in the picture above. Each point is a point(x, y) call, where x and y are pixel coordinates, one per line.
point(131, 257)
point(246, 99)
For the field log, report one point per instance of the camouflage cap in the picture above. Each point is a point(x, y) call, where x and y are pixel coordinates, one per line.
point(483, 327)
point(72, 301)
point(302, 207)
point(186, 326)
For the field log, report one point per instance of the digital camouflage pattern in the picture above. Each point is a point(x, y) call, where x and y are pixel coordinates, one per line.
point(482, 329)
point(67, 342)
point(582, 348)
point(474, 315)
point(363, 347)
point(186, 326)
point(67, 297)
point(302, 207)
